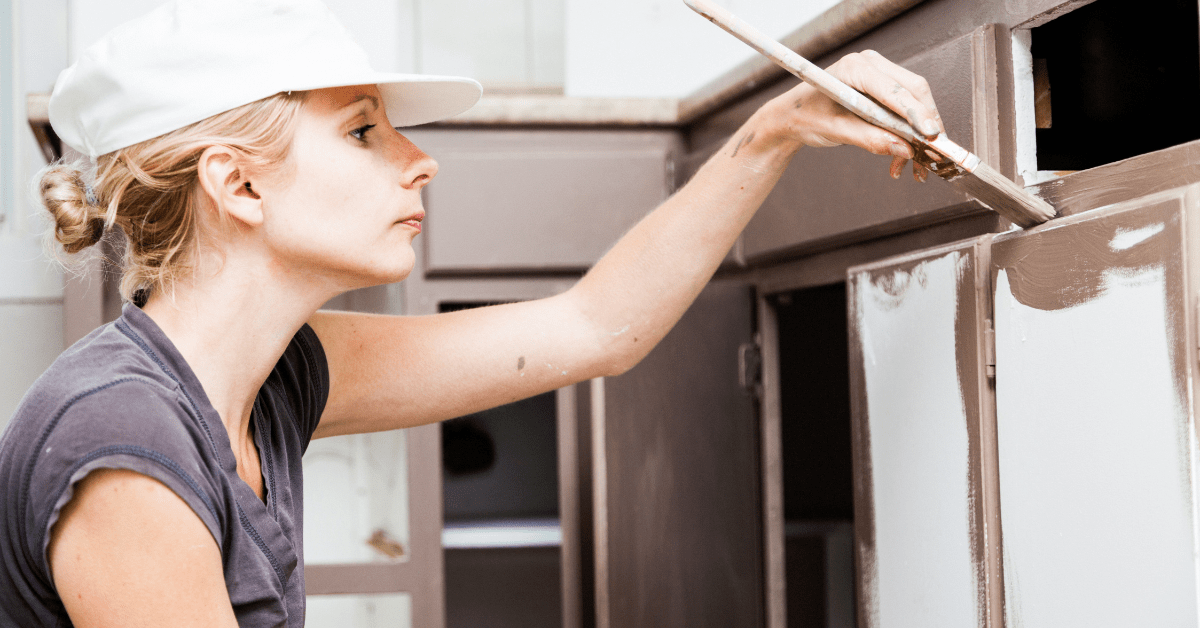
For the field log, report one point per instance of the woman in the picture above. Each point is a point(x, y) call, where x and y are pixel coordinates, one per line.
point(152, 475)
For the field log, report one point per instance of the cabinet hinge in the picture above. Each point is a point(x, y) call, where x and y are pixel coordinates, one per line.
point(989, 349)
point(750, 366)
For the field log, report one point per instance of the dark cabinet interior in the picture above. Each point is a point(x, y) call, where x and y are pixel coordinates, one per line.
point(1114, 79)
point(500, 465)
point(818, 497)
point(502, 540)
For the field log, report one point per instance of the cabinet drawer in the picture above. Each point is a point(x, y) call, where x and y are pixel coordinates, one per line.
point(528, 200)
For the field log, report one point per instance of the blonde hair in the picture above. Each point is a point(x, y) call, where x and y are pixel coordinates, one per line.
point(151, 190)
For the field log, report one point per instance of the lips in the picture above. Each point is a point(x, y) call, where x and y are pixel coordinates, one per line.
point(414, 221)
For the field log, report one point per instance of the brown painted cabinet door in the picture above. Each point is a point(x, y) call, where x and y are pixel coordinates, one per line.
point(677, 509)
point(922, 431)
point(1095, 363)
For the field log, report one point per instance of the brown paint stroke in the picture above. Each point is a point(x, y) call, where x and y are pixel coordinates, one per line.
point(746, 139)
point(1063, 266)
point(864, 490)
point(967, 363)
point(1123, 180)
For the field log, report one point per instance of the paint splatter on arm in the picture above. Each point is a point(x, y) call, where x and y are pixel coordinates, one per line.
point(746, 139)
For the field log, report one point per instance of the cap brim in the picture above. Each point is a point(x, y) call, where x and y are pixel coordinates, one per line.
point(412, 99)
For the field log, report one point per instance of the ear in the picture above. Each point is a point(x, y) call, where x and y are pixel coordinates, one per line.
point(228, 189)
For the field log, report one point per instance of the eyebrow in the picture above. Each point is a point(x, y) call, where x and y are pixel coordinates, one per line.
point(362, 97)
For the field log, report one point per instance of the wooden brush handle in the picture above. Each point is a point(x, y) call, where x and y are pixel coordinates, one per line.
point(828, 84)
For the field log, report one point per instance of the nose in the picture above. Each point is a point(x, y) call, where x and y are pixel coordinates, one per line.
point(418, 168)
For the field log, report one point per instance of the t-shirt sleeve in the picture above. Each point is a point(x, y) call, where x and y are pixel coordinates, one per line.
point(130, 424)
point(302, 377)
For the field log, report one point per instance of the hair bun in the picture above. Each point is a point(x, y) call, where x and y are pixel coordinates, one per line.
point(78, 219)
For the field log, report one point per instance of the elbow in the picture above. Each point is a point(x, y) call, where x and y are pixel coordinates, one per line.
point(623, 354)
point(617, 367)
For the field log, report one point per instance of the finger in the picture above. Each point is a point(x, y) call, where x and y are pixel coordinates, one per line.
point(897, 167)
point(913, 82)
point(859, 72)
point(920, 174)
point(847, 128)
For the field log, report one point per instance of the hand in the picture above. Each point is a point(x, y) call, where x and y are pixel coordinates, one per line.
point(814, 119)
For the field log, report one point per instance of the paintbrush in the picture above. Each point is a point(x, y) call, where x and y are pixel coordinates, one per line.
point(952, 162)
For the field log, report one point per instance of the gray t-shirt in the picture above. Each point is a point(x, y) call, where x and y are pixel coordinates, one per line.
point(124, 398)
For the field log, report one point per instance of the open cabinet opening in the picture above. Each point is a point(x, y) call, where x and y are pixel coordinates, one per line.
point(501, 536)
point(1110, 80)
point(818, 497)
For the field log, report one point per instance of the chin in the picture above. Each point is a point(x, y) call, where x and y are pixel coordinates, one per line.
point(393, 270)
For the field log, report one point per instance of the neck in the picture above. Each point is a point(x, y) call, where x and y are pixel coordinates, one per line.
point(232, 327)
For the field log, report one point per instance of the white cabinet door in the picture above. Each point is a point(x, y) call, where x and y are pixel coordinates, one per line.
point(925, 506)
point(1096, 437)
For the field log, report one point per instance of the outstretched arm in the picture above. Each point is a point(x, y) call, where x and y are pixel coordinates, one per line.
point(390, 372)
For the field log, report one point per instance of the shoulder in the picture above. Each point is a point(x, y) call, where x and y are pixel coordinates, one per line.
point(103, 404)
point(105, 359)
point(102, 391)
point(303, 362)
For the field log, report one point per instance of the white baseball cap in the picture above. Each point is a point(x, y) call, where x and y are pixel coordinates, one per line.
point(191, 59)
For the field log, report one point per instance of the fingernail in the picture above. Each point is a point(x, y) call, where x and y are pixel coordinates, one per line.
point(899, 149)
point(931, 127)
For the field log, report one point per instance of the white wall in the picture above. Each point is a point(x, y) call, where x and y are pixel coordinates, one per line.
point(30, 285)
point(496, 41)
point(661, 48)
point(614, 48)
point(384, 28)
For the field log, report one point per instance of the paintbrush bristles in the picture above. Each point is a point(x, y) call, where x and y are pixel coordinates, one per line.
point(1005, 197)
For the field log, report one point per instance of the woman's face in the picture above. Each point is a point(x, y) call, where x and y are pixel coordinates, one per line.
point(346, 208)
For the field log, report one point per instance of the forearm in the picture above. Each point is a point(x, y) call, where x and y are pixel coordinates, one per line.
point(643, 285)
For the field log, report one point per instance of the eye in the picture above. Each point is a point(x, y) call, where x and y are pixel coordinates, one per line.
point(361, 132)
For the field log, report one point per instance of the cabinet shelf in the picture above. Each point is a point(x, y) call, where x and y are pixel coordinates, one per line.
point(502, 533)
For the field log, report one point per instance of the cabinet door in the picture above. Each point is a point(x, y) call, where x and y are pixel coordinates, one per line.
point(1096, 436)
point(924, 468)
point(676, 478)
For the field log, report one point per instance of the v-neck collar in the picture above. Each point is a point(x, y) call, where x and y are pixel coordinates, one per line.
point(260, 519)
